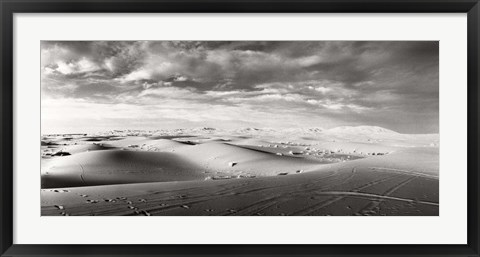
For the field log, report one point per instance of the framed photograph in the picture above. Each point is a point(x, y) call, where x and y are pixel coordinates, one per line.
point(242, 128)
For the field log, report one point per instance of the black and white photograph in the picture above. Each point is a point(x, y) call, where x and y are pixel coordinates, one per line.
point(239, 128)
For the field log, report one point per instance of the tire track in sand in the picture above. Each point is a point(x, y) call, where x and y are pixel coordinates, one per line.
point(333, 200)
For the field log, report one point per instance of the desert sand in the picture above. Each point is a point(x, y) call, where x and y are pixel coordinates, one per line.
point(362, 171)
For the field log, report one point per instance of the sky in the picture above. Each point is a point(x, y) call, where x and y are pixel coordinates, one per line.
point(91, 86)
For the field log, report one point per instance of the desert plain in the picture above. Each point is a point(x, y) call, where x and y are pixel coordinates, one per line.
point(343, 171)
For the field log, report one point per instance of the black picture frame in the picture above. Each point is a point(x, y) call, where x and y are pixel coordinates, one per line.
point(9, 7)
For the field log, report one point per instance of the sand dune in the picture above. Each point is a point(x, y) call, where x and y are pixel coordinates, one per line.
point(370, 130)
point(73, 149)
point(129, 141)
point(247, 172)
point(175, 162)
point(165, 144)
point(218, 157)
point(118, 167)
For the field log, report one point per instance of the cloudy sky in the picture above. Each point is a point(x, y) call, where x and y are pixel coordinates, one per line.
point(100, 85)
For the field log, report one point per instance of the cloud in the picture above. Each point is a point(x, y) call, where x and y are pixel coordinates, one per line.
point(253, 83)
point(82, 66)
point(137, 75)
